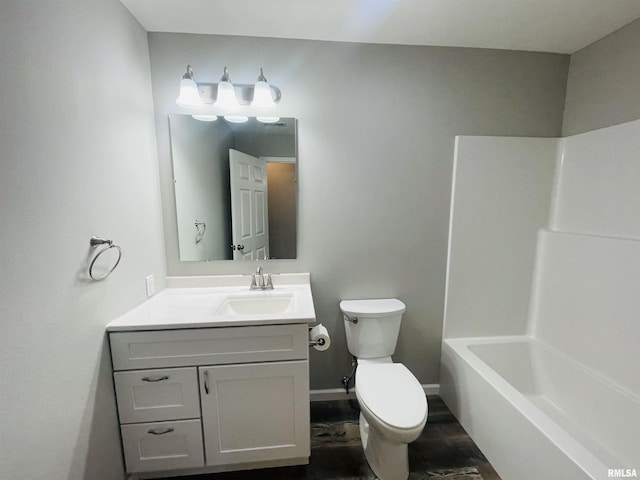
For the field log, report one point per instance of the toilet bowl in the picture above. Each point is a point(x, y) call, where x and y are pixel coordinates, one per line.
point(392, 399)
point(393, 413)
point(393, 405)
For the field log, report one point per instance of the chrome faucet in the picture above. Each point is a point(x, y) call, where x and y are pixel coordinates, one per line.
point(259, 277)
point(261, 281)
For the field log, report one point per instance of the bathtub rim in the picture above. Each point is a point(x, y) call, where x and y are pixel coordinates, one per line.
point(537, 343)
point(583, 458)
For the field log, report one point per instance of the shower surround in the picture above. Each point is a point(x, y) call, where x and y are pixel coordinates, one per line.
point(540, 357)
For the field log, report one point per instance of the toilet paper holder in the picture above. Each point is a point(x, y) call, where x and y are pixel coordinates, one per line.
point(320, 342)
point(319, 338)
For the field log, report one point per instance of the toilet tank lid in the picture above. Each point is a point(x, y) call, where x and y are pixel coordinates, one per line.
point(377, 307)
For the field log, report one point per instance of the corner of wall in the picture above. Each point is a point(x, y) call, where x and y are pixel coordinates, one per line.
point(602, 84)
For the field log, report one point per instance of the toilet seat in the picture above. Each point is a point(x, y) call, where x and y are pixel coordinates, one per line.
point(391, 393)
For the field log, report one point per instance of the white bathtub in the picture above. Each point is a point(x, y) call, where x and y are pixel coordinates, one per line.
point(537, 414)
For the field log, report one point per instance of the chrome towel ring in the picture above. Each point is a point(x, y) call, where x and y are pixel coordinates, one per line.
point(94, 242)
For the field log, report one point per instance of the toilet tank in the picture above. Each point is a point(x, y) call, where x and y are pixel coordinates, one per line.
point(375, 333)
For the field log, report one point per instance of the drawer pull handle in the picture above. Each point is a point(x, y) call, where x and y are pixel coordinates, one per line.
point(206, 381)
point(160, 431)
point(155, 379)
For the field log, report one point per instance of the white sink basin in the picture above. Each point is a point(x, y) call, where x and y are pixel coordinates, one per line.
point(259, 304)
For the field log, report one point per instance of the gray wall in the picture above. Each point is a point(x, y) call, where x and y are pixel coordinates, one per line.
point(375, 142)
point(603, 87)
point(77, 158)
point(200, 152)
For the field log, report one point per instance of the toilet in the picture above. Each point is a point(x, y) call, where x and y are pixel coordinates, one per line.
point(393, 405)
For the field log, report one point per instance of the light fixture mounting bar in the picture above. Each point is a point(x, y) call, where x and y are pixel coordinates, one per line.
point(244, 93)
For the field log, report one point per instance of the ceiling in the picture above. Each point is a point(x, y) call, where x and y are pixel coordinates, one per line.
point(560, 26)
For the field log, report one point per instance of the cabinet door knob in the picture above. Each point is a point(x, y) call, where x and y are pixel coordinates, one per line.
point(206, 382)
point(160, 431)
point(155, 379)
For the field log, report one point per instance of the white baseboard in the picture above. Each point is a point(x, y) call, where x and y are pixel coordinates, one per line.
point(340, 394)
point(331, 394)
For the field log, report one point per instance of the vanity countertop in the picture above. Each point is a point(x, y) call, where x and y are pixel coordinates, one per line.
point(221, 301)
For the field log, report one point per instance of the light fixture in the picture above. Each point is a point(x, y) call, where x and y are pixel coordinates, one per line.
point(226, 97)
point(236, 118)
point(262, 93)
point(205, 118)
point(267, 119)
point(189, 96)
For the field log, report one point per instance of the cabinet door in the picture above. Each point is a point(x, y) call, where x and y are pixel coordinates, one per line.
point(255, 412)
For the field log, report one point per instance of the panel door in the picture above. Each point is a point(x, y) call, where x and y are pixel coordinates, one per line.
point(255, 412)
point(249, 206)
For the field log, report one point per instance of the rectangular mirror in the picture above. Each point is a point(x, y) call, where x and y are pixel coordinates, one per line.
point(235, 188)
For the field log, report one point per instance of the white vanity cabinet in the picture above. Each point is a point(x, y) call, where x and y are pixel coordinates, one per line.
point(202, 400)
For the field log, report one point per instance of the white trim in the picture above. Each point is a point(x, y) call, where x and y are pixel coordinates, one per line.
point(212, 281)
point(332, 394)
point(279, 159)
point(285, 462)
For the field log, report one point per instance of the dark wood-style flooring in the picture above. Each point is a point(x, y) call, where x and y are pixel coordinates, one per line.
point(443, 451)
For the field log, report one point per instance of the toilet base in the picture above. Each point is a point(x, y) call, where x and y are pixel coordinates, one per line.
point(389, 460)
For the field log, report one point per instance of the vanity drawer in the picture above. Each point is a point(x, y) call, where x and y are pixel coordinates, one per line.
point(208, 346)
point(162, 446)
point(153, 395)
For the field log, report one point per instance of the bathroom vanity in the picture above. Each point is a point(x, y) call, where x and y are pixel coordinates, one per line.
point(210, 376)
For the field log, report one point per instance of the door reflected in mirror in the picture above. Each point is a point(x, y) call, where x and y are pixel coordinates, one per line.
point(235, 188)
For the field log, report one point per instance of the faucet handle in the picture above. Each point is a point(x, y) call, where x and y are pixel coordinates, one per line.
point(254, 285)
point(269, 283)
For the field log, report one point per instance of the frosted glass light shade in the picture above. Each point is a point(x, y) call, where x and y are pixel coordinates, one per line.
point(262, 95)
point(236, 118)
point(205, 118)
point(226, 97)
point(189, 96)
point(267, 119)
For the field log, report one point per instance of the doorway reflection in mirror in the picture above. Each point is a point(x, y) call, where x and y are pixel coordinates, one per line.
point(202, 152)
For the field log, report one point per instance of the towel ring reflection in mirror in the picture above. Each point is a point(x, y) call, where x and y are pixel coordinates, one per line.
point(108, 245)
point(201, 227)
